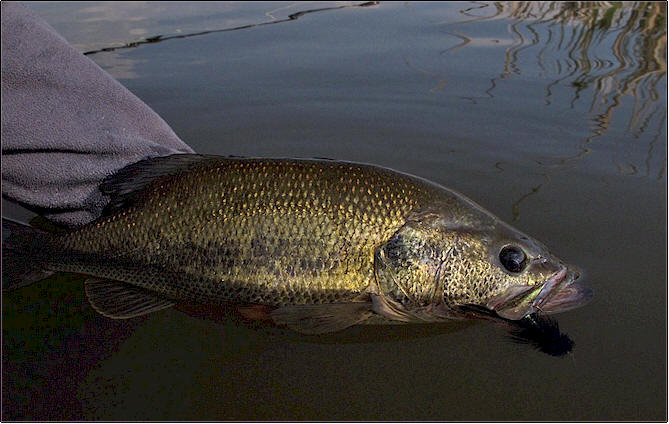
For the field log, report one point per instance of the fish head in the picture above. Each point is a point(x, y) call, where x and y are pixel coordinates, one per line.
point(434, 267)
point(525, 277)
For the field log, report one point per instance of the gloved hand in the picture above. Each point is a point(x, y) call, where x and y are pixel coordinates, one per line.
point(66, 123)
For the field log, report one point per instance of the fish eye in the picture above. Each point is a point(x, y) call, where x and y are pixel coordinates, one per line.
point(512, 258)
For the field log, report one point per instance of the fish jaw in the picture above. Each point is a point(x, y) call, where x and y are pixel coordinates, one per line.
point(551, 285)
point(571, 296)
point(557, 293)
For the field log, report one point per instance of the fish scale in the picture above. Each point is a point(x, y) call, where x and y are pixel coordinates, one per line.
point(273, 232)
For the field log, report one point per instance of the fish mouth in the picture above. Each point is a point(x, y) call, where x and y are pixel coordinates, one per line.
point(558, 293)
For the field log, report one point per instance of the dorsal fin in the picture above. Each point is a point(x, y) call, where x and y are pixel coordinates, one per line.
point(124, 186)
point(118, 300)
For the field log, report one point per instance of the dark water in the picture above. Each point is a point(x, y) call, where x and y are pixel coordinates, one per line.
point(551, 115)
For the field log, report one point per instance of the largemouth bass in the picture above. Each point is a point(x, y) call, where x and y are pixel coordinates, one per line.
point(328, 244)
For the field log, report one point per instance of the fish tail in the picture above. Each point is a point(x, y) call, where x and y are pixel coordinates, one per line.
point(20, 250)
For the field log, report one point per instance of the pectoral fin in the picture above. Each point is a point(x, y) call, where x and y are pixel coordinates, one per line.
point(391, 310)
point(324, 318)
point(118, 300)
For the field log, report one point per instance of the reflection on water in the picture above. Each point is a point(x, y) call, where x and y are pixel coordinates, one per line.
point(110, 26)
point(515, 207)
point(272, 20)
point(610, 56)
point(609, 53)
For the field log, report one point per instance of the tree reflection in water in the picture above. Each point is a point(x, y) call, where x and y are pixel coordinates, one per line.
point(611, 55)
point(635, 35)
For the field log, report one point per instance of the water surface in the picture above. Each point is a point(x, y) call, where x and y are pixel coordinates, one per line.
point(551, 115)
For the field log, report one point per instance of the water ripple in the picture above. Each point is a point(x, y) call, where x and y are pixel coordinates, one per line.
point(612, 55)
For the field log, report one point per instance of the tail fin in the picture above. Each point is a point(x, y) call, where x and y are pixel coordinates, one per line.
point(19, 245)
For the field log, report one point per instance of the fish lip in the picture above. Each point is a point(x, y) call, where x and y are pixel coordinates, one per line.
point(551, 286)
point(567, 296)
point(510, 306)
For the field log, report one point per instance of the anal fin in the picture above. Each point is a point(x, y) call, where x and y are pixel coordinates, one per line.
point(119, 300)
point(322, 318)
